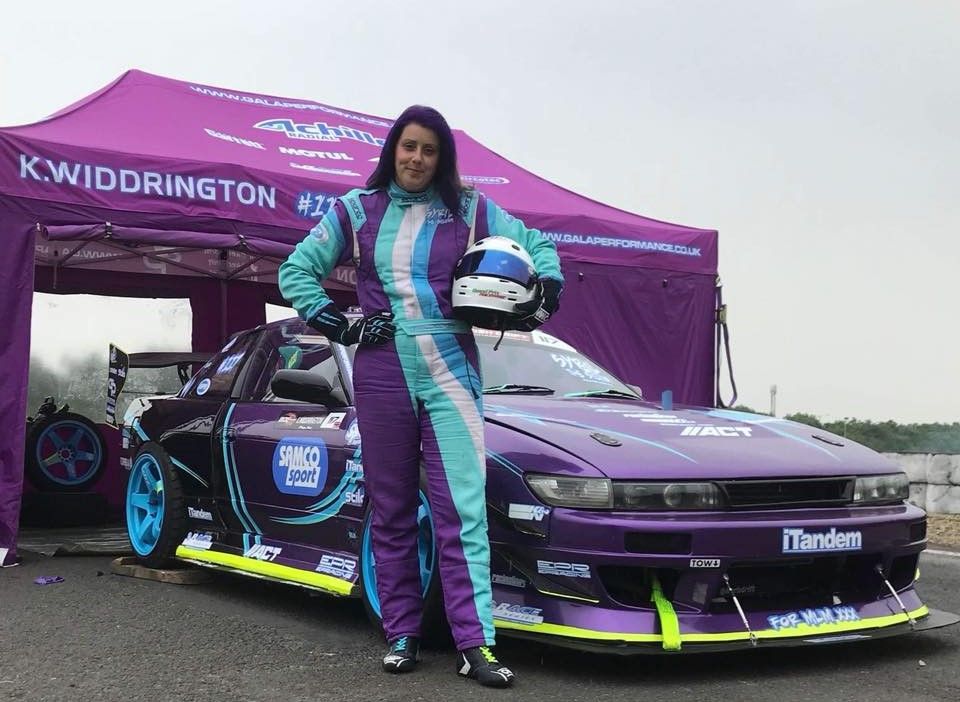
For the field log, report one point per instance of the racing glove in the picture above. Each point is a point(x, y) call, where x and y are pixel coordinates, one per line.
point(538, 310)
point(374, 329)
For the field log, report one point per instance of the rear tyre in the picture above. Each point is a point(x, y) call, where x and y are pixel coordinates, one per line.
point(155, 510)
point(434, 628)
point(65, 452)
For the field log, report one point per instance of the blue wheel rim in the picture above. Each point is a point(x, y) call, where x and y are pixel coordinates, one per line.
point(68, 452)
point(145, 504)
point(426, 552)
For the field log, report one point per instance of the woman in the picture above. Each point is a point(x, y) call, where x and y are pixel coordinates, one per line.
point(416, 373)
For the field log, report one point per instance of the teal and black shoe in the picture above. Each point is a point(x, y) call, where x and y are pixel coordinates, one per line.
point(403, 654)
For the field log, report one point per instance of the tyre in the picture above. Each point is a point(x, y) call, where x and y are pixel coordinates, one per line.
point(434, 628)
point(155, 510)
point(64, 452)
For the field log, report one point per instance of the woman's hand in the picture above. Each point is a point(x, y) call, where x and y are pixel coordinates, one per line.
point(538, 310)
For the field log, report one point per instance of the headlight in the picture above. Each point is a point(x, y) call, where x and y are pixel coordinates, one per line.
point(666, 496)
point(601, 493)
point(560, 491)
point(881, 488)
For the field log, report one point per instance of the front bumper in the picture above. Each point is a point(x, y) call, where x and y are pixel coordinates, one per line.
point(650, 583)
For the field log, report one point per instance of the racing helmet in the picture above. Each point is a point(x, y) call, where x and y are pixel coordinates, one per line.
point(490, 279)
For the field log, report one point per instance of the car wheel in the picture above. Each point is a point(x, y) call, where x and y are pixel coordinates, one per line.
point(64, 452)
point(434, 627)
point(156, 515)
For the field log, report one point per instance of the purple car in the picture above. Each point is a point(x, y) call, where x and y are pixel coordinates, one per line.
point(615, 523)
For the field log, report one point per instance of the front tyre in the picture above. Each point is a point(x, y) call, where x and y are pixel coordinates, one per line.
point(155, 510)
point(434, 624)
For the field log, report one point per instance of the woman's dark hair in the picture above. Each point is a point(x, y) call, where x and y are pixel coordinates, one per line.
point(447, 179)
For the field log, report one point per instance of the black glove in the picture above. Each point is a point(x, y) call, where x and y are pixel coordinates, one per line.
point(538, 310)
point(373, 329)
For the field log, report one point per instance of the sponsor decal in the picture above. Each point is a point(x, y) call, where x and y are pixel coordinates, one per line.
point(530, 513)
point(517, 613)
point(352, 437)
point(484, 180)
point(818, 616)
point(262, 552)
point(300, 466)
point(310, 153)
point(343, 568)
point(312, 420)
point(195, 513)
point(798, 540)
point(581, 368)
point(198, 540)
point(317, 131)
point(609, 242)
point(354, 497)
point(482, 292)
point(126, 463)
point(203, 386)
point(704, 562)
point(438, 215)
point(229, 363)
point(288, 418)
point(333, 420)
point(234, 139)
point(511, 580)
point(566, 570)
point(543, 339)
point(266, 101)
point(354, 466)
point(321, 169)
point(310, 205)
point(711, 430)
point(146, 183)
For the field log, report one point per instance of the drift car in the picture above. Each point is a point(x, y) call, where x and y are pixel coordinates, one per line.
point(614, 522)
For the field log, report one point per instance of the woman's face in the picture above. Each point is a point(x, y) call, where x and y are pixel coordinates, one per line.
point(418, 151)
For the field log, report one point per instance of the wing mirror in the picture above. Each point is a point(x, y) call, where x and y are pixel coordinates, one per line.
point(303, 386)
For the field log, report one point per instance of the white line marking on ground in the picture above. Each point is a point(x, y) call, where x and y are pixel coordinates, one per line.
point(937, 552)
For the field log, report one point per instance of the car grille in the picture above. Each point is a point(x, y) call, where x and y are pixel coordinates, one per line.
point(790, 492)
point(813, 582)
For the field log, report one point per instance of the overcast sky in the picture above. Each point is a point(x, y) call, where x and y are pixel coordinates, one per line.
point(822, 139)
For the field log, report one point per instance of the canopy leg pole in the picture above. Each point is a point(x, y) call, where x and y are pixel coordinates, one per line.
point(223, 311)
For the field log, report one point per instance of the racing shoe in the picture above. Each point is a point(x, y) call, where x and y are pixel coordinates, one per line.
point(403, 655)
point(480, 664)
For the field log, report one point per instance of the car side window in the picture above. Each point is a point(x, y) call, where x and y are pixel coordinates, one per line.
point(215, 379)
point(296, 349)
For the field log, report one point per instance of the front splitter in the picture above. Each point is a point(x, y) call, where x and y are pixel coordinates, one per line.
point(934, 619)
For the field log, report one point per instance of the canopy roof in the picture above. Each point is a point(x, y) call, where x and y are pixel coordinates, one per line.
point(199, 158)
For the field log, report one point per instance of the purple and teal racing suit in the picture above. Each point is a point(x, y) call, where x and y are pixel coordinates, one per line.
point(418, 397)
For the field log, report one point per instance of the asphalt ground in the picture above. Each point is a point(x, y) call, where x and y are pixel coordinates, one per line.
point(98, 636)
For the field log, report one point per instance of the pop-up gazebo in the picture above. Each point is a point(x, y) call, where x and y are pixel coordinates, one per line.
point(153, 187)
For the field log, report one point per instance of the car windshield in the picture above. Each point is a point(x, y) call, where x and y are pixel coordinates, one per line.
point(538, 363)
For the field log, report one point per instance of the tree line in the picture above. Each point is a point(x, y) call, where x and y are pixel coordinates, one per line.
point(887, 436)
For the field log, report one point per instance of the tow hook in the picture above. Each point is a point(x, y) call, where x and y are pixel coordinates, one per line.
point(743, 617)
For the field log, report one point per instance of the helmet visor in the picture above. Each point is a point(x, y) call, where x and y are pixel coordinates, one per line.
point(500, 264)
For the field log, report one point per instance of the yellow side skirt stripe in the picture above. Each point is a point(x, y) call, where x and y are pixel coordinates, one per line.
point(271, 570)
point(793, 632)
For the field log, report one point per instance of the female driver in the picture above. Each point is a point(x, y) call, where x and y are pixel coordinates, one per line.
point(416, 373)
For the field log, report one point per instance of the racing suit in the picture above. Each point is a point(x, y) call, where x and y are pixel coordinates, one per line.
point(418, 398)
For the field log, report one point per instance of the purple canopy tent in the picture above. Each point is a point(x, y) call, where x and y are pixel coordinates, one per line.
point(153, 187)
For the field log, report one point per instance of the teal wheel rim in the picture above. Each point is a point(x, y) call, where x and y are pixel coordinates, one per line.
point(426, 553)
point(145, 504)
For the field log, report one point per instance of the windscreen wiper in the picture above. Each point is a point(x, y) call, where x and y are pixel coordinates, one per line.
point(610, 392)
point(511, 388)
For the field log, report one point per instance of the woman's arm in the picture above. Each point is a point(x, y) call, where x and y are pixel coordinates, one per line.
point(541, 249)
point(326, 246)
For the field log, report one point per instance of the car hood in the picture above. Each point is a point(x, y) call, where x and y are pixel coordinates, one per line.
point(626, 439)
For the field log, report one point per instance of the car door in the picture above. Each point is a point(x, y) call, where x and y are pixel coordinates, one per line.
point(295, 471)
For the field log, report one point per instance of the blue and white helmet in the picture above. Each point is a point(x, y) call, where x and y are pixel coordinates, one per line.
point(493, 276)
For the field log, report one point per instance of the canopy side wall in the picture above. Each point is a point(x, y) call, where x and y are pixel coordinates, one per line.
point(16, 294)
point(662, 339)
